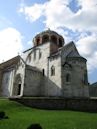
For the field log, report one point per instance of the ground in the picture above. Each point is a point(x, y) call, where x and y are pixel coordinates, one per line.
point(20, 117)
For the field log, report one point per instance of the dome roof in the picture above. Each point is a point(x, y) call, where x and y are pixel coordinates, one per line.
point(48, 36)
point(49, 32)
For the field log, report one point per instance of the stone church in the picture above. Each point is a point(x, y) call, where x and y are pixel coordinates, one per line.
point(50, 69)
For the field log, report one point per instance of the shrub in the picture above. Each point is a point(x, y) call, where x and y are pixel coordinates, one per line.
point(2, 115)
point(34, 126)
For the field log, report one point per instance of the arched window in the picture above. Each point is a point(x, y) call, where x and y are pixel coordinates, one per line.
point(68, 77)
point(60, 42)
point(52, 71)
point(54, 39)
point(45, 38)
point(43, 72)
point(37, 41)
point(19, 89)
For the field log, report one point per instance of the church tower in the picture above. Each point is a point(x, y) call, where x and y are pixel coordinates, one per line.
point(56, 41)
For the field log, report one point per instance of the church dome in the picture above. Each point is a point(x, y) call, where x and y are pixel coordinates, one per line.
point(48, 36)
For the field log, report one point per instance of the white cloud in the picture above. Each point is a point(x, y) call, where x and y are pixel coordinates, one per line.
point(10, 43)
point(59, 16)
point(87, 47)
point(32, 13)
point(87, 4)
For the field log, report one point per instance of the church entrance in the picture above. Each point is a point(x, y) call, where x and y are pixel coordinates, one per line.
point(19, 89)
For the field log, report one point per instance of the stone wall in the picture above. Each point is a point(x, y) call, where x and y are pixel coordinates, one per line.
point(32, 86)
point(7, 82)
point(19, 76)
point(74, 73)
point(38, 57)
point(88, 105)
point(54, 81)
point(76, 84)
point(93, 90)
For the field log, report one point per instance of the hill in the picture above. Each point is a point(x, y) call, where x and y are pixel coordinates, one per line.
point(20, 117)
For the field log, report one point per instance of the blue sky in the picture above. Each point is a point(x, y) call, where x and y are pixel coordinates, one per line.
point(21, 20)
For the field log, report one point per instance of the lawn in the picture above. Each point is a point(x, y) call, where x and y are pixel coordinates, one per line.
point(20, 117)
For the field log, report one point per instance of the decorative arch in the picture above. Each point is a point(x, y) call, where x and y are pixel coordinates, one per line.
point(54, 39)
point(52, 70)
point(28, 59)
point(60, 42)
point(17, 85)
point(45, 38)
point(37, 41)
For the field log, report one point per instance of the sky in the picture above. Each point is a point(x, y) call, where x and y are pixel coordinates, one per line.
point(75, 20)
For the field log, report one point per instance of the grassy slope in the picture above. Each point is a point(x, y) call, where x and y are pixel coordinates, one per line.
point(20, 117)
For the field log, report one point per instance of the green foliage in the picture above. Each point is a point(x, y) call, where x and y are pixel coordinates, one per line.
point(20, 117)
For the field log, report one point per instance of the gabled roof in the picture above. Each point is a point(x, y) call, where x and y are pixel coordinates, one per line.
point(94, 84)
point(71, 51)
point(10, 62)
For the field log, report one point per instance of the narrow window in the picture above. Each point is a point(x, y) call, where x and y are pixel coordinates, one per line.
point(85, 78)
point(45, 38)
point(43, 72)
point(37, 41)
point(60, 42)
point(68, 78)
point(52, 71)
point(54, 39)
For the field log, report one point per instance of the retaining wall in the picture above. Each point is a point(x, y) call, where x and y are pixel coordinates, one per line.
point(78, 104)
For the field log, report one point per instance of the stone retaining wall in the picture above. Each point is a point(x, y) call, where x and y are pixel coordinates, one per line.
point(80, 104)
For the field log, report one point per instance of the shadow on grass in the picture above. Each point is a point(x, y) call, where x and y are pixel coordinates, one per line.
point(3, 116)
point(34, 126)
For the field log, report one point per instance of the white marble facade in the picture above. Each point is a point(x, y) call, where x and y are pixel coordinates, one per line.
point(50, 68)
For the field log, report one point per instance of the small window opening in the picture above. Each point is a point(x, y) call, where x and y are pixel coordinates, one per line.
point(60, 43)
point(54, 39)
point(85, 78)
point(37, 41)
point(68, 78)
point(45, 38)
point(43, 72)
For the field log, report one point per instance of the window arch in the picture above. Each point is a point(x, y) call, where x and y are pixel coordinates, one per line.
point(60, 42)
point(37, 41)
point(52, 71)
point(45, 38)
point(54, 39)
point(28, 58)
point(68, 77)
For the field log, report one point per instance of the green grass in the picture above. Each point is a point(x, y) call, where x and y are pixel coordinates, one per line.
point(20, 117)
